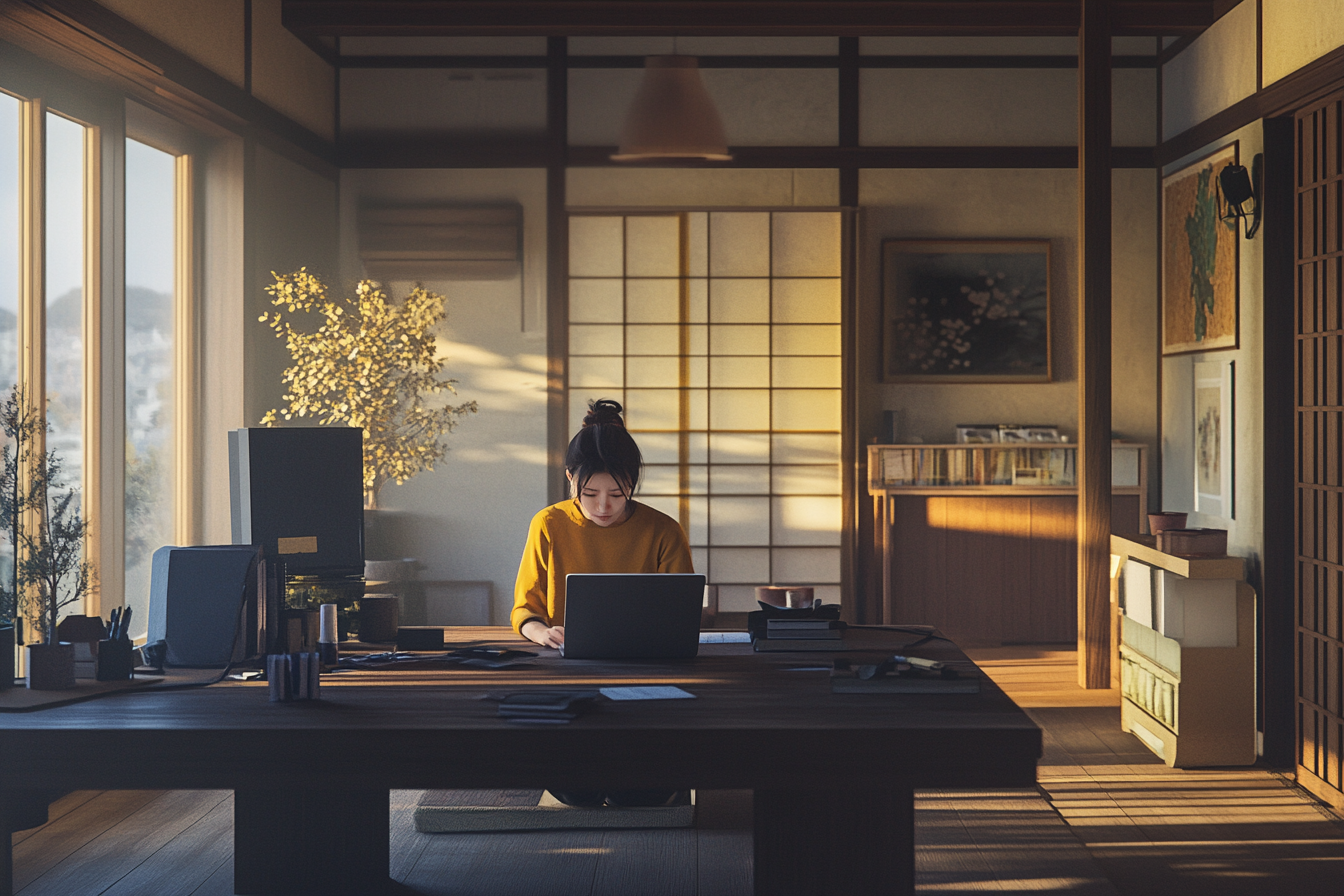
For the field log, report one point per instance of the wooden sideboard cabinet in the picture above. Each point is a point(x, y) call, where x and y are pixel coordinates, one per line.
point(981, 540)
point(1186, 655)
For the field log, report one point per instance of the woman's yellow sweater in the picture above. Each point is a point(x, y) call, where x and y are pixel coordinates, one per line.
point(562, 540)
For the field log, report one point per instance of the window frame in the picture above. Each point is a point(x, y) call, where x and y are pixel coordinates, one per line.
point(108, 120)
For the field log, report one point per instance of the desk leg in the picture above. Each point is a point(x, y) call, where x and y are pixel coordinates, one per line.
point(6, 843)
point(310, 841)
point(842, 842)
point(19, 811)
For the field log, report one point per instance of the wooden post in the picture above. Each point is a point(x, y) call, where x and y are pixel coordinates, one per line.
point(1094, 344)
point(557, 264)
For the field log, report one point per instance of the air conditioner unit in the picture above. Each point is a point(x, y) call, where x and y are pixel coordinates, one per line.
point(441, 242)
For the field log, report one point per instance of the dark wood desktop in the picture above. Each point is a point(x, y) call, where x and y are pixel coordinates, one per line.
point(833, 774)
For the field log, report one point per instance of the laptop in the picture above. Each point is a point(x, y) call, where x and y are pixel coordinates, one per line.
point(632, 616)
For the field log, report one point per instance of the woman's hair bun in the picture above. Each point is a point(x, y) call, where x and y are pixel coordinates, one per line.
point(603, 411)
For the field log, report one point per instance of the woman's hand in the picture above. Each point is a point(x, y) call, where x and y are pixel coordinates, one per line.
point(535, 630)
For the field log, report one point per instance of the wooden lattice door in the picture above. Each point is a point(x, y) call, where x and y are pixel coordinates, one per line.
point(1319, 449)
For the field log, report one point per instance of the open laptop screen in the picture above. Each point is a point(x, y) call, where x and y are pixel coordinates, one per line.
point(632, 615)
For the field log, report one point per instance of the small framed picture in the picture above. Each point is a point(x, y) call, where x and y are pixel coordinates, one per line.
point(1042, 433)
point(1215, 454)
point(977, 433)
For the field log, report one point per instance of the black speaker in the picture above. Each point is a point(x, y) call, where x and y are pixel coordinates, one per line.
point(298, 493)
point(203, 603)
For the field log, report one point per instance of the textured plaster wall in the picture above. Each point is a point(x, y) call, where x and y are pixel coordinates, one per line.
point(209, 31)
point(291, 224)
point(1214, 72)
point(466, 521)
point(1297, 32)
point(288, 76)
point(994, 107)
point(700, 188)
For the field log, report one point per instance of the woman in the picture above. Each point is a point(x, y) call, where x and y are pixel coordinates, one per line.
point(601, 528)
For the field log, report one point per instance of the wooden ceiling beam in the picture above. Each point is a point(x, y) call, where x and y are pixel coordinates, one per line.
point(735, 17)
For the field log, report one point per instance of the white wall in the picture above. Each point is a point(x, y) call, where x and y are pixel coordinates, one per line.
point(466, 521)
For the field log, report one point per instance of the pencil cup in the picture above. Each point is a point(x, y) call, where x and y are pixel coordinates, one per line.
point(293, 676)
point(114, 661)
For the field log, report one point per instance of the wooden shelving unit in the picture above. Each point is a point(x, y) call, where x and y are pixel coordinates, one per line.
point(980, 540)
point(1192, 705)
point(1016, 468)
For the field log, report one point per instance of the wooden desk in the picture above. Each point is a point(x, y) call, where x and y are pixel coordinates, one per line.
point(833, 775)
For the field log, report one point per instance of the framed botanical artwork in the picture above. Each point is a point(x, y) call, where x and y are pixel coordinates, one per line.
point(966, 311)
point(1215, 455)
point(1199, 259)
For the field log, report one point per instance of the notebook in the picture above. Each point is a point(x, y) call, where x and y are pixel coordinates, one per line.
point(610, 616)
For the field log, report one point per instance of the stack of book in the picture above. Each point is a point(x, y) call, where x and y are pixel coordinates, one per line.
point(802, 634)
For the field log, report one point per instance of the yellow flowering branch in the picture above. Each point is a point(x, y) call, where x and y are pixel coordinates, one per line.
point(371, 364)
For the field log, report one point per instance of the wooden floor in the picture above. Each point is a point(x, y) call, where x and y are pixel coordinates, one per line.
point(1108, 818)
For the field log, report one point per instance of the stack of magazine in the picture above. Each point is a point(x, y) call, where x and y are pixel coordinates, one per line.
point(816, 628)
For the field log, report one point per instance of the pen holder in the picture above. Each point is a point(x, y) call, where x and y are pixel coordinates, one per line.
point(115, 660)
point(293, 676)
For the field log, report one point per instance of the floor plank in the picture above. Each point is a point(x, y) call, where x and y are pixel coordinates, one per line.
point(117, 851)
point(406, 844)
point(201, 847)
point(562, 863)
point(54, 843)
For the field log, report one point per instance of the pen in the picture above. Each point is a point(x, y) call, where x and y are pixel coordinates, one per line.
point(112, 625)
point(125, 633)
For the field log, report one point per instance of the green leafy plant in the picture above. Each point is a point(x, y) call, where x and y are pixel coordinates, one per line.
point(42, 520)
point(23, 427)
point(373, 363)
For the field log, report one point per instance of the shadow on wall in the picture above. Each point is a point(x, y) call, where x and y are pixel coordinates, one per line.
point(399, 535)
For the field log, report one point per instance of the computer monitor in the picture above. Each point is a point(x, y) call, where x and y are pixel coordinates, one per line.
point(298, 493)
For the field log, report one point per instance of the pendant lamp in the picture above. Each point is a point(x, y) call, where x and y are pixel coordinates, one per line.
point(672, 115)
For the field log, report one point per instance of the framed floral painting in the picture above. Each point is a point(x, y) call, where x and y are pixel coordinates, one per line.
point(966, 311)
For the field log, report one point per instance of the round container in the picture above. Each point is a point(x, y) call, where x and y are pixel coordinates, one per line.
point(1165, 519)
point(378, 617)
point(773, 595)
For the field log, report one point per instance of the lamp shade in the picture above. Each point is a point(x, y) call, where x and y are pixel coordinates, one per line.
point(672, 116)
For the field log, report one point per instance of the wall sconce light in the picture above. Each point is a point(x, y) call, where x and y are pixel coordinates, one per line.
point(1238, 188)
point(672, 115)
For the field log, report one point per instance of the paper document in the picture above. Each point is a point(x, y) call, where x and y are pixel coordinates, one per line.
point(651, 692)
point(725, 638)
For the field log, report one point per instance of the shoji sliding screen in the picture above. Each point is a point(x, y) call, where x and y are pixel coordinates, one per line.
point(720, 332)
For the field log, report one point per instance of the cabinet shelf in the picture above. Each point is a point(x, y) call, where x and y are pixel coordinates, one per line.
point(1039, 468)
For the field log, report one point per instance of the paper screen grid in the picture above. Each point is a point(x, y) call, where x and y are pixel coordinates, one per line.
point(720, 333)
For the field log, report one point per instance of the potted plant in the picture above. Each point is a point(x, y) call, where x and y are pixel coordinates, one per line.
point(47, 533)
point(22, 427)
point(372, 363)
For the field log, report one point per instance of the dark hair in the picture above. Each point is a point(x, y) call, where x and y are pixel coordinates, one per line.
point(603, 445)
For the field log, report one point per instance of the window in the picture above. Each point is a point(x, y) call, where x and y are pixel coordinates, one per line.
point(720, 333)
point(60, 259)
point(64, 274)
point(151, 230)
